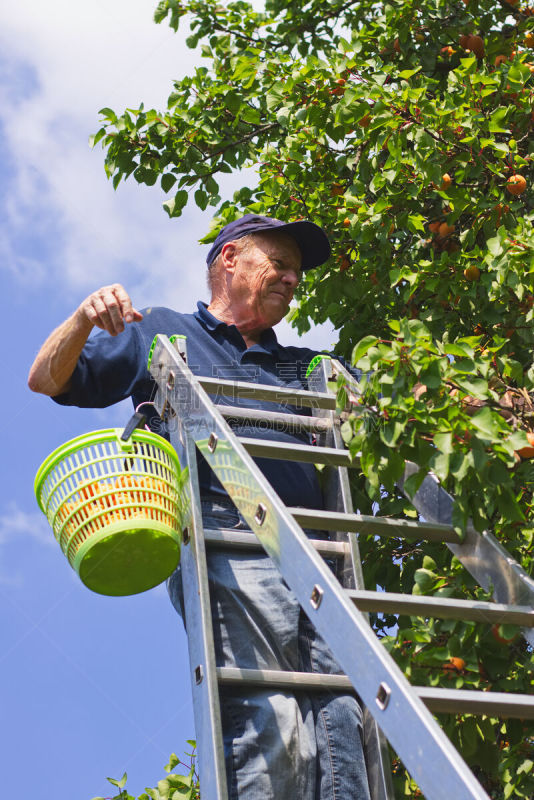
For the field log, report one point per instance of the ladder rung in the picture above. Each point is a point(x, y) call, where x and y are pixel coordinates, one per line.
point(281, 679)
point(262, 448)
point(275, 394)
point(380, 526)
point(501, 704)
point(443, 607)
point(467, 701)
point(277, 421)
point(246, 540)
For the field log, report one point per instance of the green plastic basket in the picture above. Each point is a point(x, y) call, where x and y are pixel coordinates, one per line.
point(116, 508)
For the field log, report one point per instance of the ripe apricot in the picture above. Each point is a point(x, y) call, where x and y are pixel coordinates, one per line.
point(500, 60)
point(446, 181)
point(445, 230)
point(529, 39)
point(128, 481)
point(527, 451)
point(516, 184)
point(339, 88)
point(472, 272)
point(476, 45)
point(454, 664)
point(448, 51)
point(346, 222)
point(464, 40)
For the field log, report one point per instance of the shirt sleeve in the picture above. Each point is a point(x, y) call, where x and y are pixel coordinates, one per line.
point(109, 369)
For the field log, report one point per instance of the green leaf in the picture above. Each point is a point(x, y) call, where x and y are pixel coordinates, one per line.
point(494, 245)
point(167, 181)
point(408, 73)
point(391, 432)
point(425, 579)
point(174, 207)
point(444, 442)
point(496, 122)
point(95, 138)
point(476, 387)
point(232, 102)
point(469, 736)
point(456, 349)
point(109, 114)
point(431, 376)
point(429, 563)
point(201, 199)
point(485, 422)
point(362, 347)
point(412, 484)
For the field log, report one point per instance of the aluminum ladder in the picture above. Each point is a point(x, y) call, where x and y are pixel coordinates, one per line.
point(396, 710)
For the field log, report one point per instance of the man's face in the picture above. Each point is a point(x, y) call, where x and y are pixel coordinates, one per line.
point(264, 277)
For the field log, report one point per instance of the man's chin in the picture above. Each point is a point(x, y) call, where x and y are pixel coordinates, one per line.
point(277, 315)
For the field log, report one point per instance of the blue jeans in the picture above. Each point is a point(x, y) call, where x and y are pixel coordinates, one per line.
point(279, 745)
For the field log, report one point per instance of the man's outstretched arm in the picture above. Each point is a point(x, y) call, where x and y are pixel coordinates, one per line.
point(108, 308)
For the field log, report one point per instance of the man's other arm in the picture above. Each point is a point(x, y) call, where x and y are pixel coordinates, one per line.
point(108, 308)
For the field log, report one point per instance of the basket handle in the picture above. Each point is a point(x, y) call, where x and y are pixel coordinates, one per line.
point(137, 420)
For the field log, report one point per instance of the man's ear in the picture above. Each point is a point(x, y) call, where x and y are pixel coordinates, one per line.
point(229, 255)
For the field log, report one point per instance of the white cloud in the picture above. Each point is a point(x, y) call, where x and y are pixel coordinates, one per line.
point(62, 225)
point(61, 63)
point(17, 524)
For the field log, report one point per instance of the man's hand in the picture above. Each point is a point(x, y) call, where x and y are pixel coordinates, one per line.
point(109, 308)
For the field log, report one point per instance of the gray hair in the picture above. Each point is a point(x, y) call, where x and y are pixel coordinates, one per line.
point(214, 269)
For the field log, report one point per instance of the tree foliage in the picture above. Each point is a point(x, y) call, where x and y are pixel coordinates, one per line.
point(401, 127)
point(172, 787)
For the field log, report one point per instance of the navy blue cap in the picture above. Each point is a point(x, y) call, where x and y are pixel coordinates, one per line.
point(311, 239)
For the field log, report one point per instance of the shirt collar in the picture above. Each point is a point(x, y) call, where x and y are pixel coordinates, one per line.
point(206, 317)
point(269, 342)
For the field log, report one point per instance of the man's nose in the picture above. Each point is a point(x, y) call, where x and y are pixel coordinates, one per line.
point(291, 278)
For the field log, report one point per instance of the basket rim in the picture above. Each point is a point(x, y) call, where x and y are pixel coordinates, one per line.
point(99, 437)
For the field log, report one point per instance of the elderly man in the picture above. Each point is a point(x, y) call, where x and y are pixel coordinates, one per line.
point(278, 745)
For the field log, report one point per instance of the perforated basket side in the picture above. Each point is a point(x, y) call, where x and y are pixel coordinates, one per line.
point(96, 480)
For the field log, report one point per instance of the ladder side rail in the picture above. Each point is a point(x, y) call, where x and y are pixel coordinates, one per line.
point(198, 621)
point(338, 497)
point(424, 748)
point(480, 553)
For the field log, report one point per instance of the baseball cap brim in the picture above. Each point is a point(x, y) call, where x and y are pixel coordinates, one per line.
point(312, 241)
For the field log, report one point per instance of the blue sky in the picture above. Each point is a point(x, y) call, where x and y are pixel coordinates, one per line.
point(90, 686)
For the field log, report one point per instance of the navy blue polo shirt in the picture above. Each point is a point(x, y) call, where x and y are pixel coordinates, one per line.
point(111, 368)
